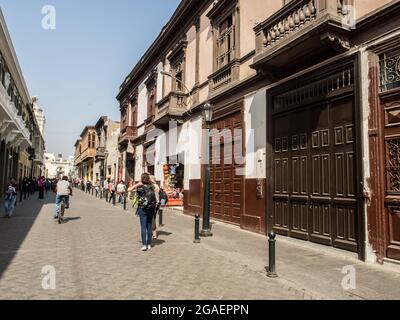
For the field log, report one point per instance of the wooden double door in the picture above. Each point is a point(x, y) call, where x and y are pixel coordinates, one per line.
point(390, 106)
point(226, 169)
point(314, 173)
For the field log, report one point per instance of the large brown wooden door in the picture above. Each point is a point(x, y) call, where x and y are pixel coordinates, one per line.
point(391, 109)
point(314, 189)
point(226, 187)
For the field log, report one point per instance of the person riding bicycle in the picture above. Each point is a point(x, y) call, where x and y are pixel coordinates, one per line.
point(63, 191)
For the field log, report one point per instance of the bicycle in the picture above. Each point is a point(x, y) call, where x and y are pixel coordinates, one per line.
point(61, 210)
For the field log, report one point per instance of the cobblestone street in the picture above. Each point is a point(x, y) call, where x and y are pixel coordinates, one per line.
point(96, 256)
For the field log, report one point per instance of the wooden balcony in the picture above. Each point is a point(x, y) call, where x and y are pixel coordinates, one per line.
point(225, 76)
point(101, 153)
point(127, 134)
point(302, 33)
point(170, 108)
point(86, 155)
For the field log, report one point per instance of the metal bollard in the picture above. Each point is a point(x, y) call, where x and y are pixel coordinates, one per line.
point(271, 273)
point(197, 229)
point(125, 202)
point(113, 199)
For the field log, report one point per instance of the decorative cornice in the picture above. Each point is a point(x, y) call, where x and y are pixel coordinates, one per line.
point(177, 51)
point(178, 21)
point(221, 8)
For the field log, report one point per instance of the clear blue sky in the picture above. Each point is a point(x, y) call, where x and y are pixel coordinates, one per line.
point(76, 70)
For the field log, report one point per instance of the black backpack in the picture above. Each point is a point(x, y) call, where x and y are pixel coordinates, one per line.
point(146, 197)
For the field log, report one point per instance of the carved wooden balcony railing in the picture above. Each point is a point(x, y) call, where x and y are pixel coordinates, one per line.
point(301, 29)
point(100, 153)
point(170, 108)
point(87, 154)
point(127, 134)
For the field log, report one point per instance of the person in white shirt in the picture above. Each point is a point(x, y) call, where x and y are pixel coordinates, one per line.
point(121, 189)
point(63, 191)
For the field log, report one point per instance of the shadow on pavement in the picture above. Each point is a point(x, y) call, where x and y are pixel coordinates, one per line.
point(158, 242)
point(14, 231)
point(68, 219)
point(164, 233)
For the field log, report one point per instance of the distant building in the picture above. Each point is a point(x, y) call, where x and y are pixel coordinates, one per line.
point(39, 114)
point(97, 153)
point(20, 137)
point(56, 167)
point(107, 158)
point(85, 152)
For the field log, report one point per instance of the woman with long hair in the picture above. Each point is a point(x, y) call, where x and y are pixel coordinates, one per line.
point(147, 202)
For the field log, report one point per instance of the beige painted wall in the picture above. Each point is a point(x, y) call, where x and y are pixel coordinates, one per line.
point(190, 74)
point(253, 12)
point(206, 47)
point(363, 7)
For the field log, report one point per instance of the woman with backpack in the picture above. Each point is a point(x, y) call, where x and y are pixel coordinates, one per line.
point(146, 193)
point(10, 197)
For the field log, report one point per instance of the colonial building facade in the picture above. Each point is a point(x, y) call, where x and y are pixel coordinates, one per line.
point(19, 132)
point(85, 153)
point(97, 155)
point(107, 154)
point(314, 87)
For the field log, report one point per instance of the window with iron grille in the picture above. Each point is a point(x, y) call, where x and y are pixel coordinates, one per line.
point(390, 70)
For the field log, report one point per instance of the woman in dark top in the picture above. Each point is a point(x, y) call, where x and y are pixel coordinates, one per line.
point(146, 192)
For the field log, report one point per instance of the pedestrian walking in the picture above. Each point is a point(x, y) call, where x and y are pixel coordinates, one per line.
point(121, 190)
point(40, 184)
point(47, 185)
point(157, 194)
point(10, 198)
point(146, 194)
point(25, 186)
point(111, 189)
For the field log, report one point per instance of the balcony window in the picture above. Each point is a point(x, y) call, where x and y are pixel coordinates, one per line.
point(92, 140)
point(176, 59)
point(178, 75)
point(225, 42)
point(151, 85)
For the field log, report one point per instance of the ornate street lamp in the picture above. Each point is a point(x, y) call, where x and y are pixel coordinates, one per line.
point(207, 110)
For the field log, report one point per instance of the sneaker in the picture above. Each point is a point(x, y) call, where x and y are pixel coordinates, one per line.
point(149, 247)
point(144, 248)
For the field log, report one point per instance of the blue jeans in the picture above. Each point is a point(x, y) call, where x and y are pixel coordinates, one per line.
point(146, 224)
point(58, 204)
point(9, 205)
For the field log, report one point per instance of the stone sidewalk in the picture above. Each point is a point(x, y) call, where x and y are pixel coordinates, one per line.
point(96, 256)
